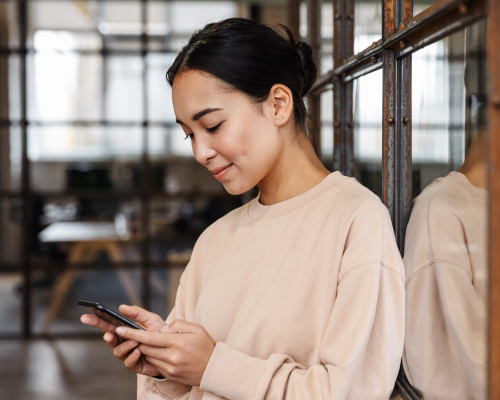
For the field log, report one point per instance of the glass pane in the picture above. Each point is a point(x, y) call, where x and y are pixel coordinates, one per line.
point(54, 304)
point(11, 282)
point(9, 23)
point(123, 90)
point(10, 91)
point(11, 289)
point(64, 86)
point(160, 106)
point(121, 25)
point(165, 282)
point(367, 111)
point(63, 25)
point(326, 62)
point(11, 210)
point(327, 126)
point(188, 16)
point(10, 159)
point(181, 18)
point(445, 252)
point(421, 5)
point(367, 24)
point(76, 143)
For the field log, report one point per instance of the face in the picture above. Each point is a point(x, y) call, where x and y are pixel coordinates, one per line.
point(237, 142)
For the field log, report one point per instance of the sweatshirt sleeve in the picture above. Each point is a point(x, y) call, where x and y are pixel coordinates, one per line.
point(149, 388)
point(445, 350)
point(185, 304)
point(360, 351)
point(445, 344)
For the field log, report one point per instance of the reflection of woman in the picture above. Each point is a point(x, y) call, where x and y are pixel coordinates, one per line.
point(298, 294)
point(445, 261)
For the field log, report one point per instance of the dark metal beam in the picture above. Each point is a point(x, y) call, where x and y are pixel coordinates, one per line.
point(25, 175)
point(313, 101)
point(438, 21)
point(343, 48)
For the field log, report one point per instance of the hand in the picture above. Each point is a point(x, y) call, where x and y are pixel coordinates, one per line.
point(180, 352)
point(123, 350)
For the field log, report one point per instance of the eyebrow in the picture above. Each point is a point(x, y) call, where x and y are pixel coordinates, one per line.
point(200, 114)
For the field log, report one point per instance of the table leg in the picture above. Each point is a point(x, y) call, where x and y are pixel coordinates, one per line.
point(63, 285)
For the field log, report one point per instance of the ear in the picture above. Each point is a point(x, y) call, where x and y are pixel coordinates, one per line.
point(281, 102)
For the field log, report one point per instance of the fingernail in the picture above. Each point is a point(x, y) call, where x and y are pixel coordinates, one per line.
point(132, 342)
point(135, 353)
point(120, 331)
point(164, 329)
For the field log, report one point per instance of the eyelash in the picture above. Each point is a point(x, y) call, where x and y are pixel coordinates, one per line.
point(214, 129)
point(209, 130)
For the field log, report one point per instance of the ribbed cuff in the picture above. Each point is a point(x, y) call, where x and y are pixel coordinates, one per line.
point(171, 389)
point(232, 374)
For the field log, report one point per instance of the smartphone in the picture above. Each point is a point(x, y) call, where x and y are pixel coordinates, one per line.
point(108, 315)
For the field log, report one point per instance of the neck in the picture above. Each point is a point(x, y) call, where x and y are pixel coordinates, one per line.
point(475, 164)
point(297, 170)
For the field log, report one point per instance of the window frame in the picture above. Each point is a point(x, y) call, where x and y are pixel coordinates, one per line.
point(402, 35)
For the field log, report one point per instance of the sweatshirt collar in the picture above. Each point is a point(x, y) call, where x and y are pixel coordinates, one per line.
point(261, 213)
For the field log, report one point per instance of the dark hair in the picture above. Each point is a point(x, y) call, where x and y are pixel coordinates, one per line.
point(250, 57)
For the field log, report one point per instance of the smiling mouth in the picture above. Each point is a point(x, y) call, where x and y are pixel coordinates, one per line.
point(220, 173)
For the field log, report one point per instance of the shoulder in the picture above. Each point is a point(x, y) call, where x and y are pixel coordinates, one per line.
point(435, 222)
point(437, 202)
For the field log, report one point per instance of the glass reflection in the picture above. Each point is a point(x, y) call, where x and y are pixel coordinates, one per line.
point(367, 111)
point(445, 251)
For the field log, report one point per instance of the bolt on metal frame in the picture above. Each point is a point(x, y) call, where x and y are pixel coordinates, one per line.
point(403, 34)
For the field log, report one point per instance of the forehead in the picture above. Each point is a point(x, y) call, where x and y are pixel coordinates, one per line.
point(193, 91)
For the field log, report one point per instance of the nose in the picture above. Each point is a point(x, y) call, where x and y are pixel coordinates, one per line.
point(202, 150)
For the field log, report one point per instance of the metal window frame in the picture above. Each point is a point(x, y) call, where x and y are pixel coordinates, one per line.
point(404, 34)
point(146, 194)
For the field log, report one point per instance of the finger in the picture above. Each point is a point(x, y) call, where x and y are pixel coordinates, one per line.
point(141, 315)
point(159, 364)
point(152, 351)
point(131, 361)
point(123, 349)
point(95, 321)
point(111, 339)
point(152, 338)
point(180, 326)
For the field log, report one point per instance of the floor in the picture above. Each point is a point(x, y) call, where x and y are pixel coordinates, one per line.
point(63, 370)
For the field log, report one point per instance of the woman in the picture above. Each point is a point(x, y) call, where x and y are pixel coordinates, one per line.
point(298, 294)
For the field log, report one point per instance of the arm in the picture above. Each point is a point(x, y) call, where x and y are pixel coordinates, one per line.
point(445, 350)
point(360, 351)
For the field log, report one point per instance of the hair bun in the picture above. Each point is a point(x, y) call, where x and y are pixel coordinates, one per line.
point(309, 71)
point(307, 67)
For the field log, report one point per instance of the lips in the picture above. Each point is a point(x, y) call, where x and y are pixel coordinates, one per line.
point(220, 172)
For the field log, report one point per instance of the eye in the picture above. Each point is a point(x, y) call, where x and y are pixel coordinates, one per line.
point(190, 136)
point(214, 128)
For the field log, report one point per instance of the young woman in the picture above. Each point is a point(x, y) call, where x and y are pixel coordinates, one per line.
point(298, 294)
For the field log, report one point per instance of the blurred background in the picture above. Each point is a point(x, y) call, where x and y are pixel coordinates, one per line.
point(100, 196)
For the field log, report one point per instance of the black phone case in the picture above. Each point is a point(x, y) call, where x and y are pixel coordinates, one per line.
point(113, 317)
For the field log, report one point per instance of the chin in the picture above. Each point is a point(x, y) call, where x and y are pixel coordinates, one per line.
point(236, 188)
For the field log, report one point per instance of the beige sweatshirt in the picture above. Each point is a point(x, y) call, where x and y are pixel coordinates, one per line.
point(445, 261)
point(305, 299)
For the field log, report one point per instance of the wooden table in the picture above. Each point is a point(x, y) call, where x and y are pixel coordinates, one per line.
point(87, 240)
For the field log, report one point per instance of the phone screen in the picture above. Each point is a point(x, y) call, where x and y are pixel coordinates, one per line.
point(110, 316)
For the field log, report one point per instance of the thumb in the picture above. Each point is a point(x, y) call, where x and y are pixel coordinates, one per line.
point(180, 326)
point(148, 319)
